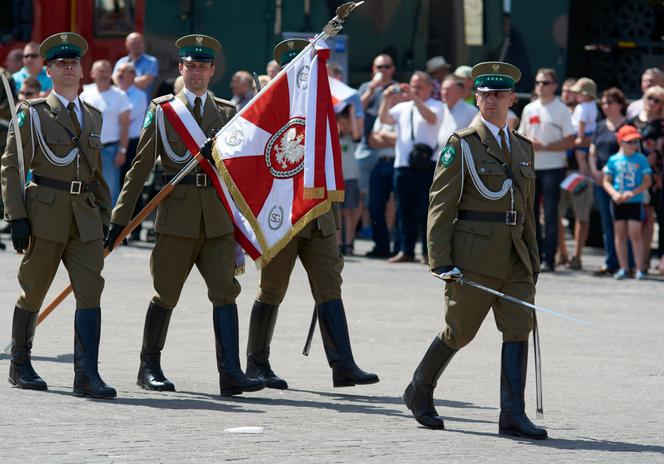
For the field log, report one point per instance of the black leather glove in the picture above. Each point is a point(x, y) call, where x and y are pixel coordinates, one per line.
point(104, 230)
point(206, 151)
point(20, 234)
point(535, 277)
point(112, 235)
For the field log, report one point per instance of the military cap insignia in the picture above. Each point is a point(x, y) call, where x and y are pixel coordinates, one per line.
point(63, 37)
point(447, 155)
point(20, 118)
point(495, 67)
point(199, 39)
point(291, 44)
point(148, 119)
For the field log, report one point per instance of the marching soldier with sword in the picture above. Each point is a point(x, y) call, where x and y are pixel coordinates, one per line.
point(481, 223)
point(61, 215)
point(193, 227)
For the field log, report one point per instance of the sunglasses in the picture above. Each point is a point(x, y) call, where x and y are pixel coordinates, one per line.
point(28, 94)
point(543, 82)
point(631, 142)
point(607, 102)
point(30, 55)
point(654, 99)
point(384, 66)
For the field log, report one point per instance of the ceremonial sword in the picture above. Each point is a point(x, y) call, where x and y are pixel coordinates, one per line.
point(461, 279)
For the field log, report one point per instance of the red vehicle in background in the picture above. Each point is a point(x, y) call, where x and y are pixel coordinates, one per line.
point(103, 23)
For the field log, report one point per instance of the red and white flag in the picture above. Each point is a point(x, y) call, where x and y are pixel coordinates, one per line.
point(280, 158)
point(340, 93)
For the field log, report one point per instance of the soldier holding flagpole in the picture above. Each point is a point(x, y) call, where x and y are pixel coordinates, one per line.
point(192, 226)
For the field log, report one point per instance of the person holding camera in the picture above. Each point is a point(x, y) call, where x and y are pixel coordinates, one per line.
point(417, 120)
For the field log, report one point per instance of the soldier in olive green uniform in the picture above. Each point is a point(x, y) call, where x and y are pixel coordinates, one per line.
point(192, 224)
point(481, 223)
point(316, 246)
point(63, 216)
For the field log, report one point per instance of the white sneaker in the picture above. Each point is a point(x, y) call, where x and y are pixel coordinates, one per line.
point(620, 275)
point(641, 275)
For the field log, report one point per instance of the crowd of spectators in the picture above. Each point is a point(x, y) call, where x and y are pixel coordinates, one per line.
point(391, 133)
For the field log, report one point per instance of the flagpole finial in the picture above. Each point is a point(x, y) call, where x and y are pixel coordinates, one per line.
point(335, 25)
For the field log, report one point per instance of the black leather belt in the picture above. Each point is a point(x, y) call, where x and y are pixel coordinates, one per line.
point(75, 187)
point(511, 218)
point(389, 159)
point(200, 179)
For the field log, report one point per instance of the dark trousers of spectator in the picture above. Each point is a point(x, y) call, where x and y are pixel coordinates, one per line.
point(124, 169)
point(381, 182)
point(412, 193)
point(547, 192)
point(603, 202)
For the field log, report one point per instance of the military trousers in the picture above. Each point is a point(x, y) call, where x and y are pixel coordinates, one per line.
point(173, 258)
point(84, 262)
point(466, 306)
point(321, 259)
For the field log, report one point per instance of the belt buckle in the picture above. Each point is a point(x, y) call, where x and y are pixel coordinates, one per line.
point(76, 187)
point(511, 218)
point(201, 179)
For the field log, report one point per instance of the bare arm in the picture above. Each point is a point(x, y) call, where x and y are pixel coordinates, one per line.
point(121, 156)
point(563, 144)
point(592, 164)
point(382, 139)
point(428, 115)
point(144, 81)
point(384, 110)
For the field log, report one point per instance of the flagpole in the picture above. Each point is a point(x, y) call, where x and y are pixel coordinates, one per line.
point(135, 222)
point(333, 27)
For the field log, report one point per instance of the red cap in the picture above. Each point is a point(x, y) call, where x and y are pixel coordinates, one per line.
point(627, 133)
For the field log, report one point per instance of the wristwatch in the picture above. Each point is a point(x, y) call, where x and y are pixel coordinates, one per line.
point(122, 149)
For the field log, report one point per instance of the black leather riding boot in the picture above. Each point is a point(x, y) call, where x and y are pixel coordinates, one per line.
point(336, 341)
point(232, 380)
point(261, 328)
point(513, 419)
point(150, 375)
point(87, 331)
point(419, 393)
point(21, 373)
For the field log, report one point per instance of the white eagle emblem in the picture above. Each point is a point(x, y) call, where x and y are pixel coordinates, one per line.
point(290, 150)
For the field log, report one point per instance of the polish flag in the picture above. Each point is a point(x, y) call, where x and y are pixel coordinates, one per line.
point(340, 93)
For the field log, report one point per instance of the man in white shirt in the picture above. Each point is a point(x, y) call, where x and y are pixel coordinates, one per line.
point(457, 113)
point(124, 78)
point(417, 121)
point(547, 122)
point(650, 78)
point(116, 112)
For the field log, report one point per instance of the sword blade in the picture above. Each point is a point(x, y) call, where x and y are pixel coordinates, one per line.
point(521, 303)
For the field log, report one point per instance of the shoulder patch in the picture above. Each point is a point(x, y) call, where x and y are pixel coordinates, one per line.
point(447, 155)
point(465, 132)
point(149, 116)
point(20, 118)
point(163, 98)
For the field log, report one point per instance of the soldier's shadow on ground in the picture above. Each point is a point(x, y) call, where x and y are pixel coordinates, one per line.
point(169, 400)
point(66, 358)
point(584, 444)
point(355, 404)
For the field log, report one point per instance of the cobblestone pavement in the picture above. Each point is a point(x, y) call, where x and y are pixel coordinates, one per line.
point(602, 384)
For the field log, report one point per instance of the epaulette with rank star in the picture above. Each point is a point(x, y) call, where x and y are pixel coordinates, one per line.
point(222, 102)
point(465, 132)
point(162, 99)
point(521, 136)
point(35, 101)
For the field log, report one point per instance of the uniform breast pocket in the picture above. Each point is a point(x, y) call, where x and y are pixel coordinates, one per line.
point(60, 144)
point(94, 143)
point(492, 176)
point(528, 173)
point(471, 241)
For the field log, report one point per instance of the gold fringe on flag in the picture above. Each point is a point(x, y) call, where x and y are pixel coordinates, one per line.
point(314, 193)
